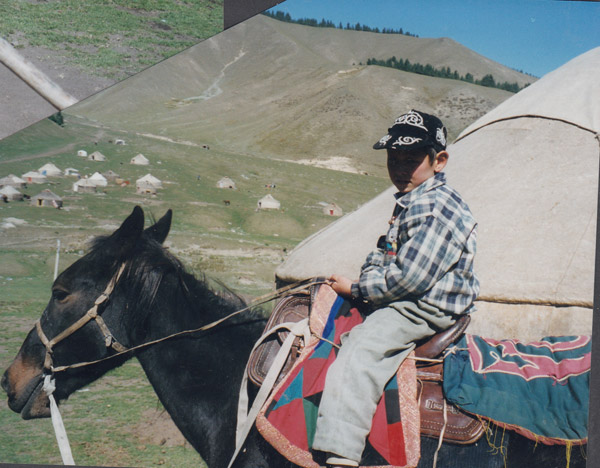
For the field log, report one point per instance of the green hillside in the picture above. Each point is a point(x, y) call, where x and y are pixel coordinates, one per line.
point(206, 217)
point(110, 38)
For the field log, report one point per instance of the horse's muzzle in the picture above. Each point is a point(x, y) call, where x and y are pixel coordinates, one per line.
point(26, 398)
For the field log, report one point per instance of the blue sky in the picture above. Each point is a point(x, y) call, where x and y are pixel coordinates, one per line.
point(535, 36)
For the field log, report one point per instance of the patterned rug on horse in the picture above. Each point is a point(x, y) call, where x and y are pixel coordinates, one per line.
point(288, 418)
point(539, 389)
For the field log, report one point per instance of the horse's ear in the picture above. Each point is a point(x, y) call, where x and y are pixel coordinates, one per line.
point(130, 230)
point(160, 230)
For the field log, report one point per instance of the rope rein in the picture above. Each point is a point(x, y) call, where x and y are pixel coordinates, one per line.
point(294, 287)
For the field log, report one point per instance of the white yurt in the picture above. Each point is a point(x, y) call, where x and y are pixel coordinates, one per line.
point(13, 181)
point(11, 193)
point(110, 175)
point(33, 177)
point(49, 170)
point(71, 171)
point(85, 186)
point(47, 198)
point(82, 153)
point(97, 156)
point(529, 171)
point(268, 202)
point(332, 209)
point(226, 183)
point(150, 180)
point(139, 160)
point(98, 179)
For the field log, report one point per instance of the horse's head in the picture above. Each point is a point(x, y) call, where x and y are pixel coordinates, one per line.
point(84, 319)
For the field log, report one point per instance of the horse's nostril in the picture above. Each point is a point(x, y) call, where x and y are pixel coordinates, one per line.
point(4, 382)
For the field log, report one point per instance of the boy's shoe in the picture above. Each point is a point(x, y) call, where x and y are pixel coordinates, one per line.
point(340, 462)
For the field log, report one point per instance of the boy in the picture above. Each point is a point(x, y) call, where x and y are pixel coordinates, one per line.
point(417, 281)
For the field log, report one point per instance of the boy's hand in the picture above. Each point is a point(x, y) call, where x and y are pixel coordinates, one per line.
point(341, 285)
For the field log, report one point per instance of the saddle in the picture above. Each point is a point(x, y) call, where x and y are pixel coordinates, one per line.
point(459, 428)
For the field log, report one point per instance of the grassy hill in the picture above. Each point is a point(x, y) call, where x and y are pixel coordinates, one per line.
point(107, 38)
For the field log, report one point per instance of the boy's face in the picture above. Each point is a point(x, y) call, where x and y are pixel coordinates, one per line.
point(409, 169)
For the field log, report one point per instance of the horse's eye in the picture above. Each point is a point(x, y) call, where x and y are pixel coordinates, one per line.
point(59, 295)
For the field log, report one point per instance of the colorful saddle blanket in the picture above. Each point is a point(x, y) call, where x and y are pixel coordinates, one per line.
point(540, 389)
point(288, 418)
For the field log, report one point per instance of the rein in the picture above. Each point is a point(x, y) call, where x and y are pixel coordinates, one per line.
point(92, 314)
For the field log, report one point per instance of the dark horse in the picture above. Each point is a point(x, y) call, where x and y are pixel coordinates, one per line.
point(197, 376)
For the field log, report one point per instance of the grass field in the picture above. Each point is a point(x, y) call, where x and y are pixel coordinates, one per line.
point(118, 420)
point(111, 38)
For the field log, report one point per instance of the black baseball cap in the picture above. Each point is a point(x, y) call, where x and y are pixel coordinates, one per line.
point(414, 130)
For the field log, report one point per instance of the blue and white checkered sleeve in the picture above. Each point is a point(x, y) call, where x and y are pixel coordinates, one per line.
point(420, 262)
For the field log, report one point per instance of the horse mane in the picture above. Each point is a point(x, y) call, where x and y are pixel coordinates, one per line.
point(149, 265)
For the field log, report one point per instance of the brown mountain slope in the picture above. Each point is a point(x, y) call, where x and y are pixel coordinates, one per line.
point(288, 91)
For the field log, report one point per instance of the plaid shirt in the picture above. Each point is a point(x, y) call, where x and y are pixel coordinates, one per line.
point(427, 254)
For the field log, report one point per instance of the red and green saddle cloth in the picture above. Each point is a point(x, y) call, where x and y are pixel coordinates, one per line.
point(288, 419)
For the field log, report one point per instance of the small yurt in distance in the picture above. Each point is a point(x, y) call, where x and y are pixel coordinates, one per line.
point(226, 183)
point(97, 156)
point(33, 177)
point(268, 202)
point(47, 198)
point(13, 181)
point(85, 186)
point(98, 179)
point(11, 193)
point(49, 170)
point(139, 160)
point(332, 209)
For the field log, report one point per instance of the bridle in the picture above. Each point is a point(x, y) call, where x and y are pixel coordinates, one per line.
point(91, 314)
point(111, 342)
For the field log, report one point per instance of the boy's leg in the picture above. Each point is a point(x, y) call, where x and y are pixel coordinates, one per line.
point(370, 355)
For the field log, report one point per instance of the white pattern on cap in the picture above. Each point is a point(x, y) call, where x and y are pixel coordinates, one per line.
point(439, 136)
point(411, 118)
point(406, 140)
point(384, 139)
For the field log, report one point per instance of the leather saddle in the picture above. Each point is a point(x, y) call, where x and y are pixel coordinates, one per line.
point(459, 428)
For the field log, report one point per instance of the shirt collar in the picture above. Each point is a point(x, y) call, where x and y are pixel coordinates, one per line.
point(404, 199)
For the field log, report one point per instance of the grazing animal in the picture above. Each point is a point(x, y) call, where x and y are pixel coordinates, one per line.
point(196, 376)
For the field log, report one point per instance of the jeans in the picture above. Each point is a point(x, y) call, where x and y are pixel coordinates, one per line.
point(368, 358)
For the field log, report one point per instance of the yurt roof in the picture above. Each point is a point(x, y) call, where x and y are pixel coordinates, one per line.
point(226, 179)
point(85, 183)
point(269, 197)
point(97, 176)
point(9, 190)
point(529, 172)
point(49, 168)
point(47, 194)
point(149, 178)
point(11, 179)
point(33, 174)
point(574, 91)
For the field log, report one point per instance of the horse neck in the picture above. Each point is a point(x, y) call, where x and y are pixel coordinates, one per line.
point(198, 378)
